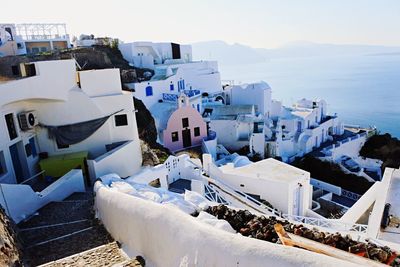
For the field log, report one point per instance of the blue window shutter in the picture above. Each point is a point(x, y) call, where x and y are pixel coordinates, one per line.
point(183, 84)
point(149, 91)
point(198, 107)
point(171, 87)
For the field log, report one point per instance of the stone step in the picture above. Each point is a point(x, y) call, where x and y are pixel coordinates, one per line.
point(53, 250)
point(34, 235)
point(81, 196)
point(105, 255)
point(60, 212)
point(135, 262)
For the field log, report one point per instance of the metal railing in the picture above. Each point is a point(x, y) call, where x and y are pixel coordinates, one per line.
point(169, 97)
point(191, 92)
point(327, 223)
point(213, 195)
point(350, 195)
point(32, 177)
point(244, 198)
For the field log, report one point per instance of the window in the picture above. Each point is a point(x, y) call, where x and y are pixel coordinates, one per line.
point(28, 150)
point(3, 168)
point(10, 36)
point(149, 91)
point(61, 146)
point(43, 49)
point(175, 137)
point(207, 112)
point(12, 131)
point(181, 85)
point(15, 70)
point(30, 70)
point(185, 122)
point(121, 120)
point(33, 146)
point(171, 87)
point(196, 131)
point(35, 50)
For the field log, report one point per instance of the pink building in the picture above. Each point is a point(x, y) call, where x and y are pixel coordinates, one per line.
point(185, 128)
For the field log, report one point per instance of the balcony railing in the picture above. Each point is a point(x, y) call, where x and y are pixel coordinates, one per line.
point(328, 223)
point(192, 93)
point(169, 97)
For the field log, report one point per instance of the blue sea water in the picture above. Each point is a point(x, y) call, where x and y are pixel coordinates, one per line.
point(362, 90)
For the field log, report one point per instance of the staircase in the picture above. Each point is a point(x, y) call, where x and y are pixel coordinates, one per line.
point(66, 233)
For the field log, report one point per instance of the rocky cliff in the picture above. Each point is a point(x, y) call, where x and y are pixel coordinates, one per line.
point(153, 153)
point(10, 247)
point(96, 57)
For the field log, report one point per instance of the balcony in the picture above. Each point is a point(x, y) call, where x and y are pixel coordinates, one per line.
point(169, 97)
point(191, 93)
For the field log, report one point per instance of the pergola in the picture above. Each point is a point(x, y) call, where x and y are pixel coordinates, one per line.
point(34, 31)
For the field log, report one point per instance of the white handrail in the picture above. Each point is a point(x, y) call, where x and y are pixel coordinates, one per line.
point(32, 177)
point(328, 223)
point(239, 195)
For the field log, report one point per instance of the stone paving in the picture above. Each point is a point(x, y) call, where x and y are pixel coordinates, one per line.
point(66, 233)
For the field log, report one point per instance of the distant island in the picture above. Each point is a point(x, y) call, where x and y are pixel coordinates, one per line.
point(236, 53)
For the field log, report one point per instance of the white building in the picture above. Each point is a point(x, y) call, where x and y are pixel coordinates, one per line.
point(289, 131)
point(258, 94)
point(52, 95)
point(235, 125)
point(174, 71)
point(302, 128)
point(33, 38)
point(287, 188)
point(148, 54)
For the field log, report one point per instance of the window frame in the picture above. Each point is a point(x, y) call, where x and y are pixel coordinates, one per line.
point(185, 121)
point(197, 131)
point(175, 136)
point(118, 118)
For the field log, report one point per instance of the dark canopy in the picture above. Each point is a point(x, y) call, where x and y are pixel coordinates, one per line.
point(71, 134)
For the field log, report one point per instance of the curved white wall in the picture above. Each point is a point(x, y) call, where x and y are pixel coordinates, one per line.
point(165, 236)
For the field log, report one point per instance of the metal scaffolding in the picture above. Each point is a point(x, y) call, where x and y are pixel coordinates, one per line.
point(40, 31)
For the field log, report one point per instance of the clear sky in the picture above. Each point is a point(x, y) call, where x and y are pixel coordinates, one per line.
point(258, 23)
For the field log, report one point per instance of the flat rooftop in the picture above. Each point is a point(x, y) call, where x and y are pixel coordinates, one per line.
point(269, 169)
point(303, 113)
point(227, 112)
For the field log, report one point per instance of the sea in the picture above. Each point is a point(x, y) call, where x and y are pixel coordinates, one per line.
point(362, 90)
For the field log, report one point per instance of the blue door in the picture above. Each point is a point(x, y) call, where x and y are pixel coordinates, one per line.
point(16, 163)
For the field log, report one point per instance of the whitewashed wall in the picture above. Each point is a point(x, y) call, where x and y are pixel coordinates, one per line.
point(165, 236)
point(20, 201)
point(123, 160)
